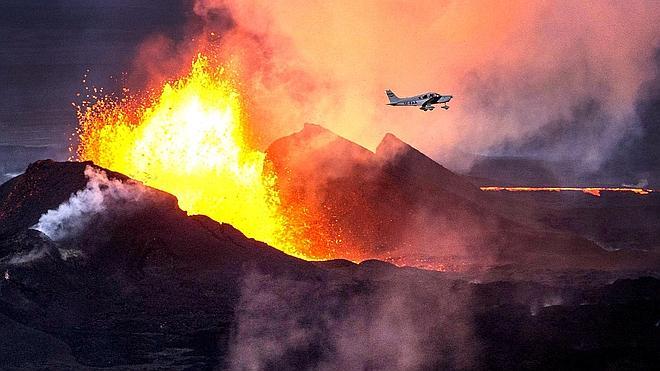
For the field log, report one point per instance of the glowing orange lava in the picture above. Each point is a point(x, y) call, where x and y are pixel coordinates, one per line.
point(594, 191)
point(189, 140)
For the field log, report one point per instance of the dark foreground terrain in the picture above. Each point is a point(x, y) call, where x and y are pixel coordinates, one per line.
point(136, 283)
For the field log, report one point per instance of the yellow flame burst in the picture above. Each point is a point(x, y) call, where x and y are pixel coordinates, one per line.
point(189, 141)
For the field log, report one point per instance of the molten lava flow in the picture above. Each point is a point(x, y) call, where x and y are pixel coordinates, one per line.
point(594, 191)
point(189, 140)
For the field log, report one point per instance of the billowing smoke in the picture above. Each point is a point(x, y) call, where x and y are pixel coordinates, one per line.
point(74, 215)
point(638, 156)
point(314, 325)
point(558, 80)
point(267, 330)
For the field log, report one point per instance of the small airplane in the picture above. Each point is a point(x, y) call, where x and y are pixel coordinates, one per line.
point(425, 101)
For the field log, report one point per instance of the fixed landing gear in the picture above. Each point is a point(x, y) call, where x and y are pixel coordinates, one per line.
point(431, 108)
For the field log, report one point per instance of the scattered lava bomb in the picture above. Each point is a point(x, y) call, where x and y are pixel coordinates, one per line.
point(189, 139)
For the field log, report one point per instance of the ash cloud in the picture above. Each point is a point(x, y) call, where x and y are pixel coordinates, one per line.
point(555, 80)
point(85, 206)
point(523, 74)
point(637, 157)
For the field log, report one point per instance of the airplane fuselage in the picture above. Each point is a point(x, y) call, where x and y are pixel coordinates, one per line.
point(424, 101)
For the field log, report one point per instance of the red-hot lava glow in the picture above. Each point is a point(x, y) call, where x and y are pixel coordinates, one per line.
point(594, 191)
point(189, 138)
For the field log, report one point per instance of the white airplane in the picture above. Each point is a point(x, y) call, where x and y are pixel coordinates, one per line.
point(425, 101)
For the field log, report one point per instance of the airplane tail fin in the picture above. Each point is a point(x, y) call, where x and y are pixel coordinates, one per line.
point(391, 96)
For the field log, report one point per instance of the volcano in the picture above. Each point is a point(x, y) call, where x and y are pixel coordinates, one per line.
point(189, 264)
point(47, 184)
point(144, 285)
point(399, 205)
point(140, 284)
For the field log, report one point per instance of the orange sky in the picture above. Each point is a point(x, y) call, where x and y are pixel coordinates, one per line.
point(512, 67)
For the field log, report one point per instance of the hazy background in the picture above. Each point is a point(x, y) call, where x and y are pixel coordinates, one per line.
point(570, 84)
point(47, 49)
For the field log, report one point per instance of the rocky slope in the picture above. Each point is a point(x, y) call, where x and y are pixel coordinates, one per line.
point(400, 205)
point(142, 285)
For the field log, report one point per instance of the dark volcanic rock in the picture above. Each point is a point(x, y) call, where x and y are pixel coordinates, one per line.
point(419, 170)
point(146, 274)
point(147, 287)
point(24, 347)
point(398, 204)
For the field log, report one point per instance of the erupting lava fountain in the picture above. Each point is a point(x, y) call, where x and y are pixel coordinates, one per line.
point(189, 139)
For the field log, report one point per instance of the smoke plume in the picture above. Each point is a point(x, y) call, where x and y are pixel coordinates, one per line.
point(74, 215)
point(555, 79)
point(314, 325)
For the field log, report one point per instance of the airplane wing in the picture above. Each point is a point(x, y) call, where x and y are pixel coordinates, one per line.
point(429, 102)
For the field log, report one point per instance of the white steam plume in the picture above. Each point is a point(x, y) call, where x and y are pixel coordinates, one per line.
point(100, 193)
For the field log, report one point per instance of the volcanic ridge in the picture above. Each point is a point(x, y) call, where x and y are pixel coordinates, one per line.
point(135, 282)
